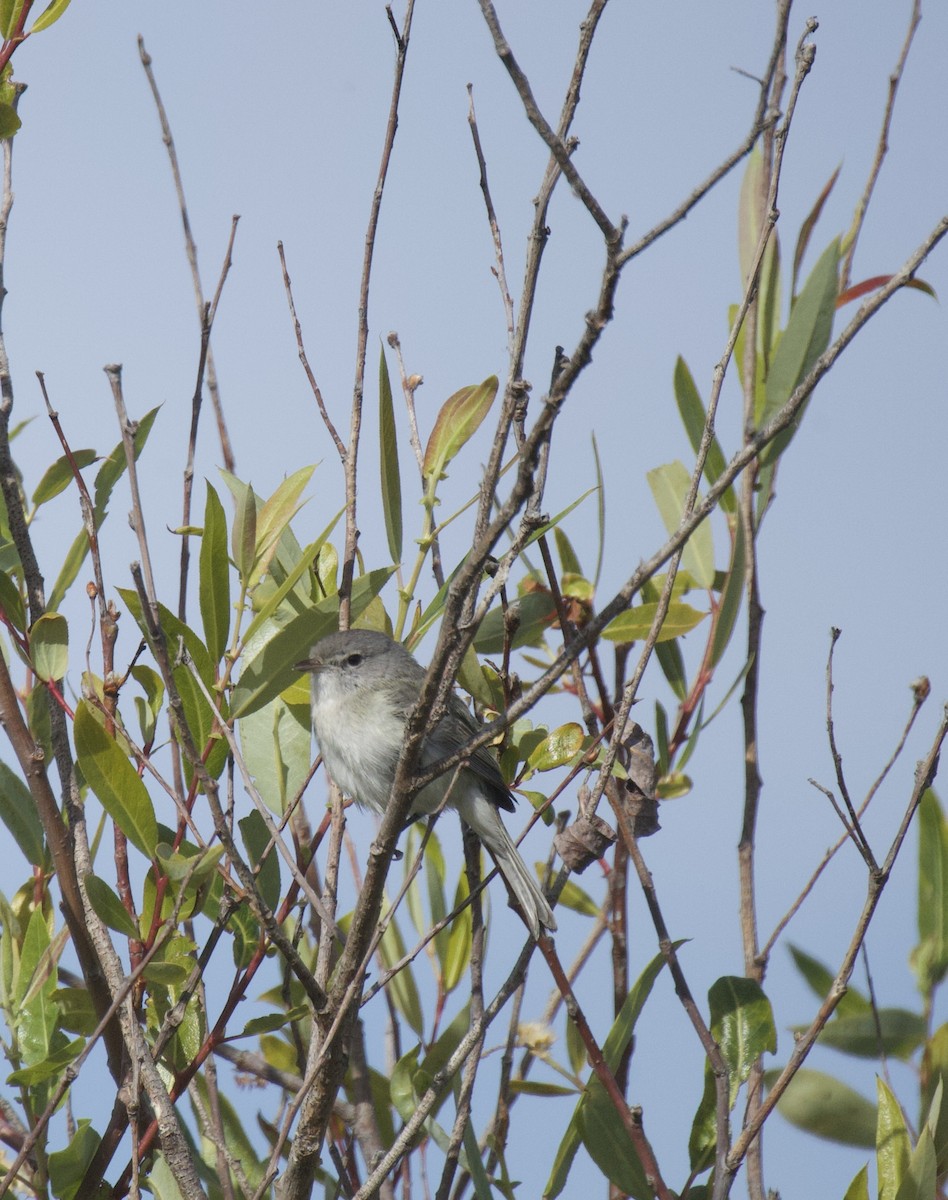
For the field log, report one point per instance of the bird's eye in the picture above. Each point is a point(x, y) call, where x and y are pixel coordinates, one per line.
point(353, 660)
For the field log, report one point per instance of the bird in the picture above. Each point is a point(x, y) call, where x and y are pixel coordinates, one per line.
point(364, 686)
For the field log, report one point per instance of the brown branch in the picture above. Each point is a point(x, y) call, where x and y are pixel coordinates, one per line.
point(536, 118)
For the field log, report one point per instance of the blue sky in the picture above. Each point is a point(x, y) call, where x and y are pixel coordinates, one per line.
point(280, 119)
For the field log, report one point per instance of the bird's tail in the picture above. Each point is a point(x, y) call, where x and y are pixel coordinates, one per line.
point(483, 818)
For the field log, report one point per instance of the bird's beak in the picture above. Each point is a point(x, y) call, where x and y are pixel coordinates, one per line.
point(308, 664)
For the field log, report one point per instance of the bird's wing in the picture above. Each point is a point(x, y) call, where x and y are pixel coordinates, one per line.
point(451, 735)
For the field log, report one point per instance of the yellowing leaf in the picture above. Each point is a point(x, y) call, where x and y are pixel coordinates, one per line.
point(634, 624)
point(457, 422)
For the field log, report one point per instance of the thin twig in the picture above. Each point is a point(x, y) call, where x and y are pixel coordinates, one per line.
point(804, 1042)
point(882, 147)
point(207, 323)
point(190, 247)
point(301, 351)
point(402, 37)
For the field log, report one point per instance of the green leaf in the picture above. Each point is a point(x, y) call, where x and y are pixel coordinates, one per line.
point(269, 671)
point(607, 1140)
point(149, 706)
point(9, 121)
point(742, 1023)
point(829, 1109)
point(569, 561)
point(670, 485)
point(111, 471)
point(536, 612)
point(859, 1188)
point(188, 862)
point(920, 1180)
point(388, 460)
point(243, 533)
point(534, 1087)
point(273, 1021)
point(215, 577)
point(49, 646)
point(60, 475)
point(456, 423)
point(457, 952)
point(49, 16)
point(634, 624)
point(274, 517)
point(108, 907)
point(277, 744)
point(401, 987)
point(256, 838)
point(51, 1066)
point(613, 1049)
point(930, 957)
point(750, 212)
point(289, 591)
point(892, 1142)
point(934, 1077)
point(807, 335)
point(731, 596)
point(67, 1167)
point(803, 238)
point(693, 417)
point(10, 11)
point(38, 1012)
point(576, 899)
point(18, 813)
point(198, 713)
point(672, 662)
point(76, 1011)
point(115, 781)
point(11, 602)
point(557, 748)
point(821, 979)
point(891, 1031)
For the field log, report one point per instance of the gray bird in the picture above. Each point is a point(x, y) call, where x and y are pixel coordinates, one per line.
point(364, 686)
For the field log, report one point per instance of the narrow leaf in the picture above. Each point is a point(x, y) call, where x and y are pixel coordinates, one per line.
point(214, 577)
point(807, 335)
point(670, 485)
point(456, 423)
point(115, 781)
point(607, 1140)
point(275, 516)
point(243, 533)
point(60, 475)
point(731, 597)
point(634, 624)
point(693, 417)
point(388, 461)
point(930, 957)
point(806, 229)
point(109, 908)
point(47, 17)
point(18, 813)
point(826, 1107)
point(893, 1146)
point(256, 838)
